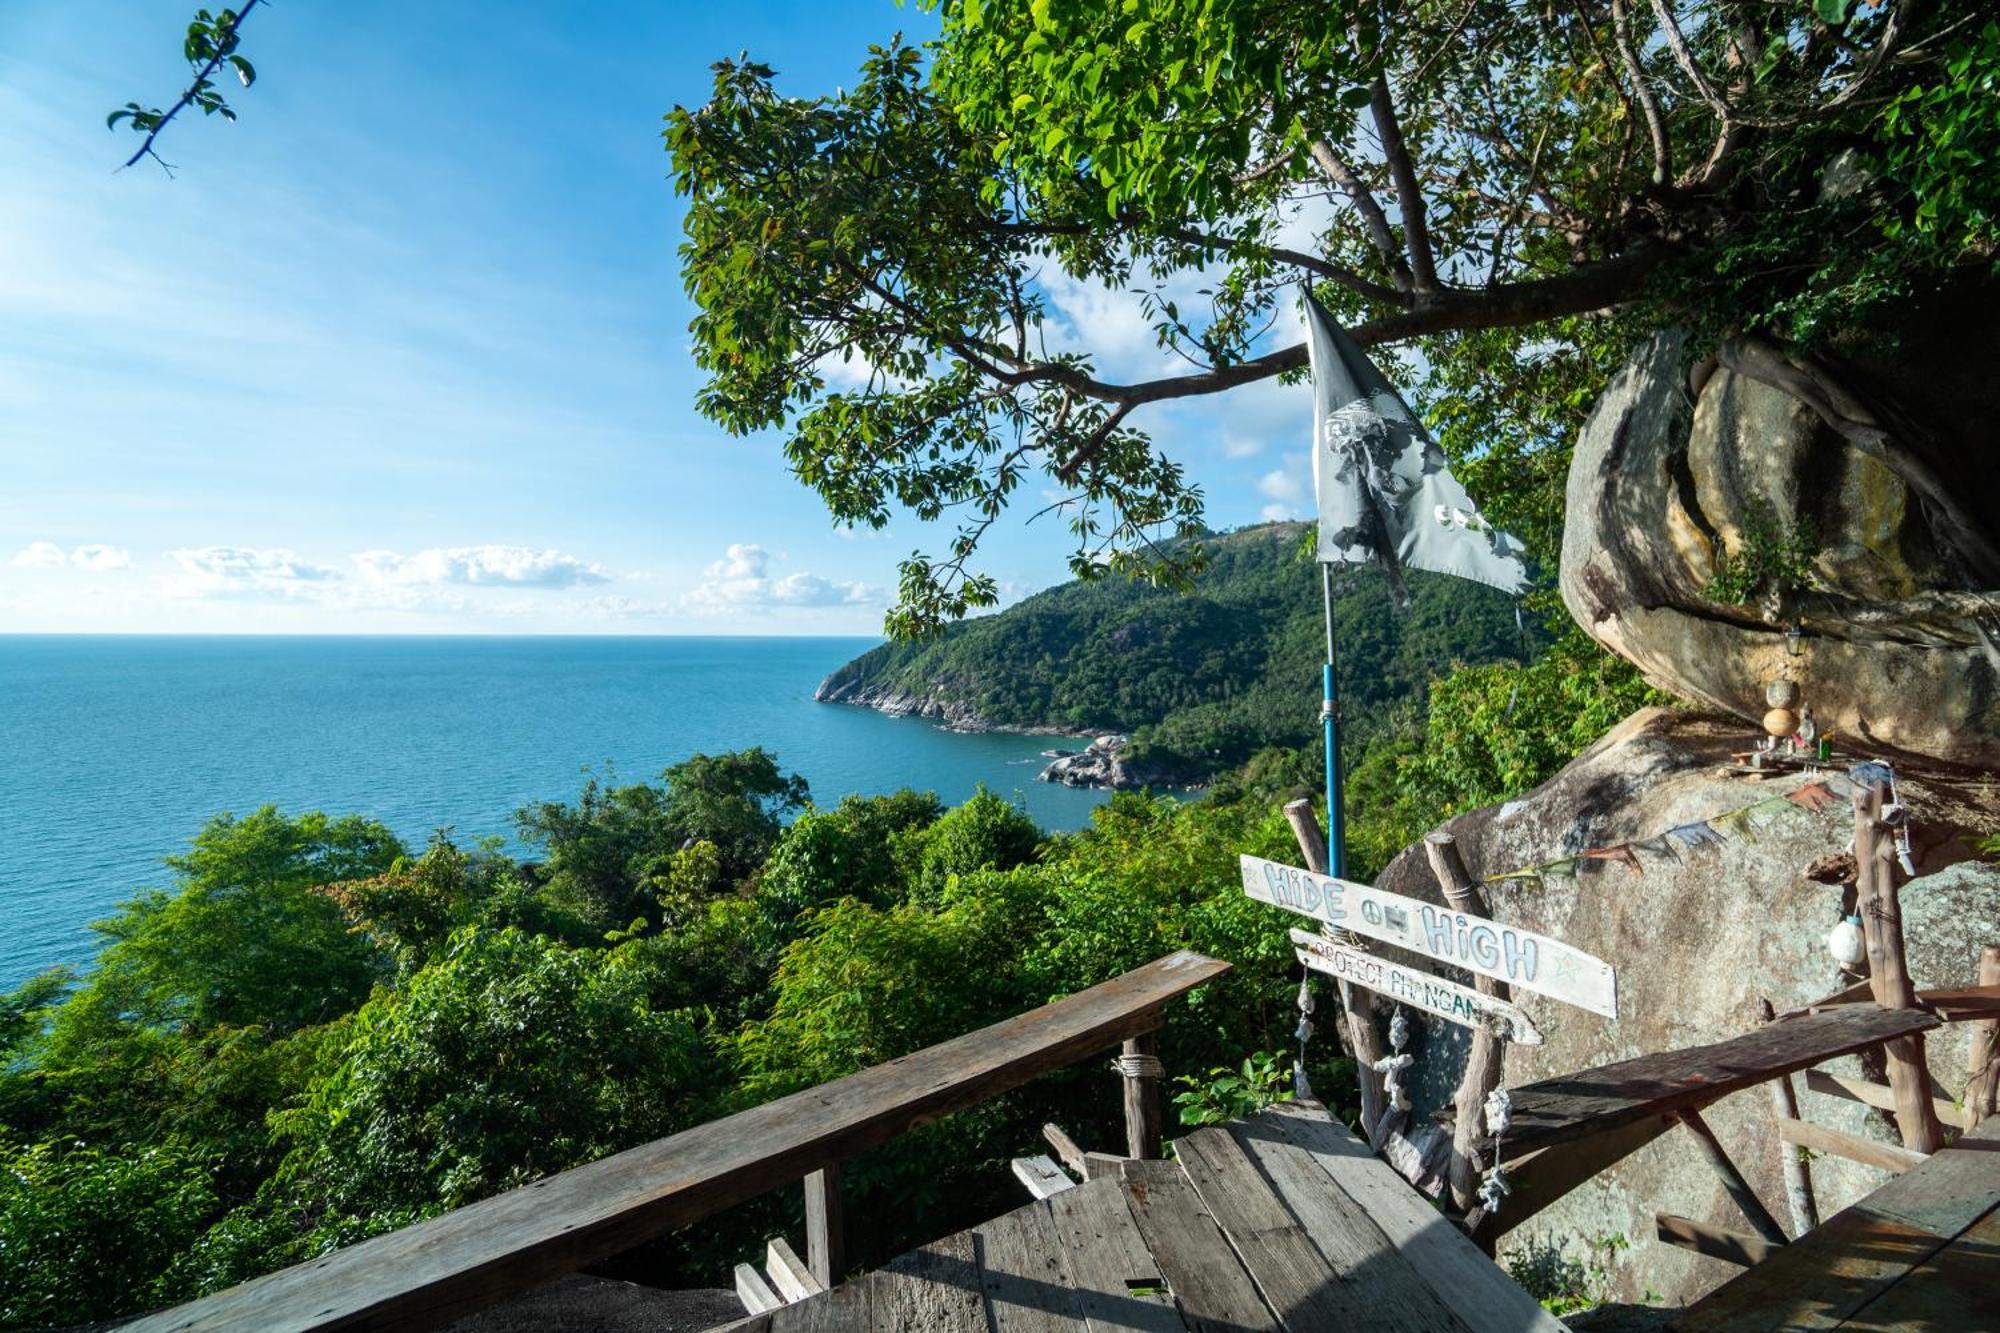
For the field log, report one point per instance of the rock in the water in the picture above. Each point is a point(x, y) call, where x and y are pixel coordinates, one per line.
point(1099, 764)
point(1899, 642)
point(1698, 937)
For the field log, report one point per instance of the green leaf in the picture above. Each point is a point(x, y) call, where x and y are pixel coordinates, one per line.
point(1833, 13)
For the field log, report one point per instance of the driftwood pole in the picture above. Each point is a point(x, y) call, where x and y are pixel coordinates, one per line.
point(826, 1231)
point(1733, 1183)
point(1798, 1176)
point(1484, 1057)
point(1362, 1036)
point(1984, 1062)
point(1888, 977)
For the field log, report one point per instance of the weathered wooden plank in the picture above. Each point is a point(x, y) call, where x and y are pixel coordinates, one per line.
point(1023, 1274)
point(1737, 1247)
point(1450, 1001)
point(1214, 1292)
point(1117, 1281)
point(1066, 1149)
point(1099, 1164)
point(1041, 1177)
point(1575, 1105)
point(1440, 1253)
point(1956, 1288)
point(754, 1291)
point(1361, 1255)
point(934, 1288)
point(1888, 1156)
point(1291, 1273)
point(790, 1277)
point(1878, 1095)
point(427, 1274)
point(1507, 953)
point(1543, 1175)
point(1139, 1068)
point(1826, 1276)
point(845, 1309)
point(826, 1226)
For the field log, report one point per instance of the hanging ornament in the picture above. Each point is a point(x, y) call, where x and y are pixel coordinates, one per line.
point(1846, 944)
point(1391, 1067)
point(1493, 1185)
point(1300, 1088)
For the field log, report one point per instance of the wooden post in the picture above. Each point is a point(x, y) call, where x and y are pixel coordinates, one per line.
point(1738, 1188)
point(1140, 1065)
point(1888, 977)
point(1362, 1037)
point(826, 1243)
point(1983, 1064)
point(1798, 1176)
point(1483, 1060)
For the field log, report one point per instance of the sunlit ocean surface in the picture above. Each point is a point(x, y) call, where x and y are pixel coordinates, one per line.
point(114, 750)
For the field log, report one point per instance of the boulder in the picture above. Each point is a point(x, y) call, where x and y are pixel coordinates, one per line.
point(1099, 764)
point(1698, 938)
point(1897, 625)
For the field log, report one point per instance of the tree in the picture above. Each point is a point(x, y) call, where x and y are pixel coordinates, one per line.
point(212, 42)
point(1506, 187)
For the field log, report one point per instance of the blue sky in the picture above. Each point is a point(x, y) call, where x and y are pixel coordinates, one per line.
point(404, 350)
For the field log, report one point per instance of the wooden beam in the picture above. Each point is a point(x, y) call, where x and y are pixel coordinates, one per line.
point(1746, 1200)
point(1878, 1095)
point(1486, 1053)
point(1100, 1164)
point(1821, 1139)
point(1357, 1012)
point(790, 1277)
point(426, 1275)
point(1041, 1177)
point(1888, 975)
point(1067, 1151)
point(1139, 1063)
point(1983, 1062)
point(1543, 1175)
point(755, 1292)
point(1738, 1247)
point(1791, 1162)
point(1586, 1103)
point(826, 1224)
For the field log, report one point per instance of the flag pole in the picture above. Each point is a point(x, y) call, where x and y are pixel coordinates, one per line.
point(1329, 712)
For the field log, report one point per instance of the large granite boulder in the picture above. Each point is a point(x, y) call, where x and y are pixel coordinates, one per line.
point(1676, 474)
point(1698, 939)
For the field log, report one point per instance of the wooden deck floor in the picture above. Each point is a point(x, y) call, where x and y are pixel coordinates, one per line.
point(1921, 1253)
point(1284, 1221)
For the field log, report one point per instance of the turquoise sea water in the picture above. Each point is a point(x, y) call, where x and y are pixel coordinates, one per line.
point(114, 750)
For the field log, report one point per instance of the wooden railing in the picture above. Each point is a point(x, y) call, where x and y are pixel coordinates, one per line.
point(428, 1274)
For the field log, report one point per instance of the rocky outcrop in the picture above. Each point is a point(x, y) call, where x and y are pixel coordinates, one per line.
point(1099, 764)
point(1698, 937)
point(954, 714)
point(1895, 604)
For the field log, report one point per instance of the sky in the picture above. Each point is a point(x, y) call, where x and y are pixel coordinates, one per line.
point(405, 350)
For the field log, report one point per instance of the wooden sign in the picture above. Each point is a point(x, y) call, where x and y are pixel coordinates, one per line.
point(1519, 957)
point(1420, 990)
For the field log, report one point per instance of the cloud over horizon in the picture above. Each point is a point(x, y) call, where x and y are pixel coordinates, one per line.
point(741, 581)
point(489, 566)
point(246, 571)
point(93, 557)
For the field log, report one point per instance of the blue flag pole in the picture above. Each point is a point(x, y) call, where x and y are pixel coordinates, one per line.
point(1329, 713)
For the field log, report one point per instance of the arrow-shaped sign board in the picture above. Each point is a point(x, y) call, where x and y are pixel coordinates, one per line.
point(1519, 957)
point(1419, 990)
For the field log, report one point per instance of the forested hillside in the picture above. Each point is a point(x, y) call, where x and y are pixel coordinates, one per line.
point(1205, 679)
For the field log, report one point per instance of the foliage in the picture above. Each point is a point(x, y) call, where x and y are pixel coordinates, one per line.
point(1563, 1284)
point(212, 41)
point(1205, 679)
point(1231, 1094)
point(877, 271)
point(80, 1226)
point(1772, 559)
point(985, 833)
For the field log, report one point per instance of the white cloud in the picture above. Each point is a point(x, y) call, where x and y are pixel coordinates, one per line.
point(39, 555)
point(242, 571)
point(99, 558)
point(741, 581)
point(92, 557)
point(1288, 489)
point(480, 566)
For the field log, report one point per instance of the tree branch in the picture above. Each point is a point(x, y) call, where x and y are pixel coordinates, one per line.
point(1409, 195)
point(222, 49)
point(1656, 129)
point(1367, 205)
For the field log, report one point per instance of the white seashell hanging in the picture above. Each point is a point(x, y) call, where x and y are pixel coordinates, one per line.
point(1846, 944)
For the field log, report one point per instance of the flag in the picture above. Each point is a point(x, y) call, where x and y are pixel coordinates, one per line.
point(1385, 493)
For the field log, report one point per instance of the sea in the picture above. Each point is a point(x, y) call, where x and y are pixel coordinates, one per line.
point(115, 750)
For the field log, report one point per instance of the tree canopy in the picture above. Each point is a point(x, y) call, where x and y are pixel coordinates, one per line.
point(1514, 190)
